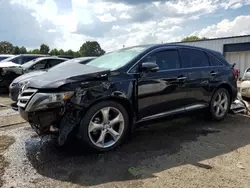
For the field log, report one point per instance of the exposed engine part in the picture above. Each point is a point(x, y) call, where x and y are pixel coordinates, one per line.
point(240, 106)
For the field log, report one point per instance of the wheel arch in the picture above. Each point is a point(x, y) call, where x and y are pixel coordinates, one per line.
point(227, 87)
point(122, 101)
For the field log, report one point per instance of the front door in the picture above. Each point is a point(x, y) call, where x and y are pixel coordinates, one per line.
point(163, 91)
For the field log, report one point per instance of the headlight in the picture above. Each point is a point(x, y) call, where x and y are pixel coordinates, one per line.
point(23, 83)
point(48, 100)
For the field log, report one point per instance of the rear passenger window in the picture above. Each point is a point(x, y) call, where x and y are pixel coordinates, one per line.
point(193, 58)
point(165, 59)
point(214, 62)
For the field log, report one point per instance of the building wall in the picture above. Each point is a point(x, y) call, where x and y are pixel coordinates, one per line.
point(217, 44)
point(241, 58)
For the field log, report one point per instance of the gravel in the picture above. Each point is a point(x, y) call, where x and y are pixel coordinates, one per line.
point(187, 152)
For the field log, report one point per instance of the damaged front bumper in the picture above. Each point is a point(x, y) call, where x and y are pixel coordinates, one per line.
point(42, 121)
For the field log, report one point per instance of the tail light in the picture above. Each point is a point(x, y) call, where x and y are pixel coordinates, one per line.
point(235, 72)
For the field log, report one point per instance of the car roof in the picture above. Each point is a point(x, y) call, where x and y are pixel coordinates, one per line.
point(6, 55)
point(153, 46)
point(50, 57)
point(85, 58)
point(39, 55)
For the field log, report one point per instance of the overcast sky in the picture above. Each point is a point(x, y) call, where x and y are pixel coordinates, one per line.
point(67, 24)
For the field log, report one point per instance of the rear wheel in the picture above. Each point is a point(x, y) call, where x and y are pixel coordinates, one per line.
point(104, 126)
point(220, 104)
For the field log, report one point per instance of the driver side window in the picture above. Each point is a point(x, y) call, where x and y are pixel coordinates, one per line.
point(39, 66)
point(166, 60)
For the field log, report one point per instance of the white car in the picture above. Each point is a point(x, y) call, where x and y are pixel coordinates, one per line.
point(245, 84)
point(5, 56)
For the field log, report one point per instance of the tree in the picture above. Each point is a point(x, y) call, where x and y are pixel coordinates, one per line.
point(44, 49)
point(69, 52)
point(61, 52)
point(77, 54)
point(35, 51)
point(54, 52)
point(16, 50)
point(190, 38)
point(6, 47)
point(22, 50)
point(91, 48)
point(204, 38)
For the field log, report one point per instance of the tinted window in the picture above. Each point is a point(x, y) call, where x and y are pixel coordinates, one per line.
point(165, 59)
point(213, 61)
point(193, 58)
point(2, 58)
point(17, 60)
point(40, 65)
point(52, 62)
point(28, 58)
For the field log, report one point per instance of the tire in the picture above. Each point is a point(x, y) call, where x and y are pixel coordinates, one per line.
point(103, 126)
point(223, 108)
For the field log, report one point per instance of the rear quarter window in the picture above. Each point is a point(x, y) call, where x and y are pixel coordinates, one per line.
point(214, 61)
point(191, 58)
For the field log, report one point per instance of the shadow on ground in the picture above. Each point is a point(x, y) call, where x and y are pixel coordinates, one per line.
point(189, 140)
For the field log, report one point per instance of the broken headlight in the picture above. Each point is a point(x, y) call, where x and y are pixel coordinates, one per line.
point(48, 100)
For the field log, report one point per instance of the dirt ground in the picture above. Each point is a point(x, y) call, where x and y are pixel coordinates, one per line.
point(186, 152)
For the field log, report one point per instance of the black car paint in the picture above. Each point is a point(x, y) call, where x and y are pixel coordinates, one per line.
point(179, 90)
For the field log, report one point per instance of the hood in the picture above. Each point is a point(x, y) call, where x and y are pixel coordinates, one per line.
point(57, 77)
point(8, 64)
point(27, 76)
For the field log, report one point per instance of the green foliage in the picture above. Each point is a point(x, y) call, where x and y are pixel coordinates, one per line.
point(54, 52)
point(61, 52)
point(35, 51)
point(44, 49)
point(91, 48)
point(191, 38)
point(16, 50)
point(22, 50)
point(6, 47)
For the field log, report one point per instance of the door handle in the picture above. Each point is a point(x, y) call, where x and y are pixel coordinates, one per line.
point(213, 73)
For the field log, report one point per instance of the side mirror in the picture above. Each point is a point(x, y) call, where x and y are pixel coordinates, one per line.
point(149, 67)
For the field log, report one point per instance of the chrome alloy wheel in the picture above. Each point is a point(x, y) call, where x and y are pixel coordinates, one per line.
point(220, 104)
point(106, 127)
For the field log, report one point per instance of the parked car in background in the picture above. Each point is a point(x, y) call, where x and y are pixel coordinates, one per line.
point(245, 84)
point(99, 102)
point(9, 66)
point(5, 56)
point(17, 83)
point(21, 59)
point(40, 63)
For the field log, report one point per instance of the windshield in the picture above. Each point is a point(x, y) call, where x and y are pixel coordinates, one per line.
point(246, 76)
point(3, 57)
point(116, 59)
point(12, 59)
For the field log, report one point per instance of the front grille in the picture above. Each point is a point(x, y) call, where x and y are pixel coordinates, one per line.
point(25, 96)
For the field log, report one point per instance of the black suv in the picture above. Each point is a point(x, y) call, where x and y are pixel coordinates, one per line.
point(99, 102)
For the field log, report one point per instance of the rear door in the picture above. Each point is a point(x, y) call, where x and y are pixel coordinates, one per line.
point(163, 92)
point(196, 64)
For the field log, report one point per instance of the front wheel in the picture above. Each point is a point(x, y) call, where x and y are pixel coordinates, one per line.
point(220, 104)
point(104, 126)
